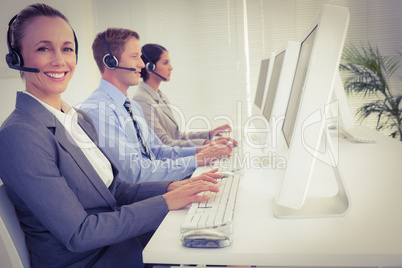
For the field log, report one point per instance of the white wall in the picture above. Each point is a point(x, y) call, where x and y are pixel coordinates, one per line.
point(206, 42)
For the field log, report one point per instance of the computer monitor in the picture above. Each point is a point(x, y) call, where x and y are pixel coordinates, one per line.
point(279, 90)
point(273, 85)
point(263, 81)
point(256, 125)
point(304, 126)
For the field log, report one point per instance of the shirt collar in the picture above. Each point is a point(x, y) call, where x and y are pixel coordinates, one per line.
point(64, 106)
point(151, 91)
point(113, 92)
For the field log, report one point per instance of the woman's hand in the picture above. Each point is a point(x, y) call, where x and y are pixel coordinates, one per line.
point(208, 176)
point(219, 130)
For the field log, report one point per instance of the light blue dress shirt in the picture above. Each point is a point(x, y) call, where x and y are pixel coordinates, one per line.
point(118, 139)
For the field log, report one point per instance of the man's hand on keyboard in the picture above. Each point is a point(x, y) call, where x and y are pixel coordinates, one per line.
point(183, 193)
point(212, 153)
point(221, 140)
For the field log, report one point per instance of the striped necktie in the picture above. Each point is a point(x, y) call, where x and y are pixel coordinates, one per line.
point(144, 148)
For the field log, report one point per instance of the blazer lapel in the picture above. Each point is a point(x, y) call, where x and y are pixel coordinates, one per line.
point(44, 117)
point(167, 110)
point(81, 160)
point(163, 105)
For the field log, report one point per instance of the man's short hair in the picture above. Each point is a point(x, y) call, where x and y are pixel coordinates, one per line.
point(116, 39)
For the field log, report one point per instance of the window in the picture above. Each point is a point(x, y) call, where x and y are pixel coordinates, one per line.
point(216, 45)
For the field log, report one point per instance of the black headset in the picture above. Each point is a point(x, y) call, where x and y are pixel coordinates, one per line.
point(14, 59)
point(150, 66)
point(111, 61)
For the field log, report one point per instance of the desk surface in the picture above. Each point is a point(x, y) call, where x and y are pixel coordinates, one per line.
point(368, 235)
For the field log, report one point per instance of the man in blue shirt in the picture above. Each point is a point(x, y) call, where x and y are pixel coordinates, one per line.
point(123, 132)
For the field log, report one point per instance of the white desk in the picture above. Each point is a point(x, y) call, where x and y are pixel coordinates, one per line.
point(370, 234)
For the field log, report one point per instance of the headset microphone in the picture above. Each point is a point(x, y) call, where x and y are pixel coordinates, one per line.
point(111, 61)
point(11, 64)
point(150, 66)
point(124, 68)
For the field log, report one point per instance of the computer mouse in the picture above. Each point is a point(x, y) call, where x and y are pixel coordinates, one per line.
point(206, 238)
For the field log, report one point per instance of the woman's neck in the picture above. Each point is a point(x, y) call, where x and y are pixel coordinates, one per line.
point(53, 100)
point(154, 84)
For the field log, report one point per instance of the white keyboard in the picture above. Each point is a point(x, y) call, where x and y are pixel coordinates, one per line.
point(217, 212)
point(230, 163)
point(358, 134)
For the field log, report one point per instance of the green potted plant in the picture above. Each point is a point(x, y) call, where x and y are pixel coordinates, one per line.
point(369, 73)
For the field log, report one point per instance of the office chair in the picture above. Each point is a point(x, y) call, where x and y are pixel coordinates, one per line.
point(13, 250)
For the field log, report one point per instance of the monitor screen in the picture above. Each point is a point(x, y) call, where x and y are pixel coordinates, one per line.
point(297, 87)
point(262, 80)
point(273, 86)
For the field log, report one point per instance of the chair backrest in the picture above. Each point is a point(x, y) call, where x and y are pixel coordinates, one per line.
point(13, 250)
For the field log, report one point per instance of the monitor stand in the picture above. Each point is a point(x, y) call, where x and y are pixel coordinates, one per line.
point(319, 207)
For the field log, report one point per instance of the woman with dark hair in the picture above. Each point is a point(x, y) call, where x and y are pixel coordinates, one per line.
point(157, 108)
point(72, 207)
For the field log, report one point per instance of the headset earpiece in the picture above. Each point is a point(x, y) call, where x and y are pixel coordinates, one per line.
point(14, 58)
point(110, 61)
point(150, 66)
